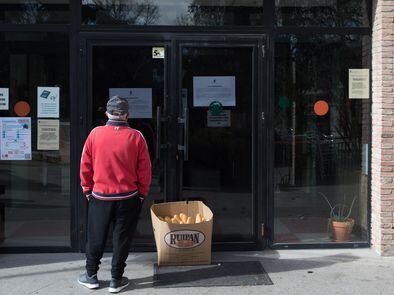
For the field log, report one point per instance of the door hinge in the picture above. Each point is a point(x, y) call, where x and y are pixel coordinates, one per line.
point(263, 50)
point(263, 116)
point(81, 51)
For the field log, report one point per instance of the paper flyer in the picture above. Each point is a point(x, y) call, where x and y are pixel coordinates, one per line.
point(48, 99)
point(140, 101)
point(359, 83)
point(209, 89)
point(48, 134)
point(4, 99)
point(15, 138)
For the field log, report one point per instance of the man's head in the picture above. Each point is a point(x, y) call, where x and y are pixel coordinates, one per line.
point(117, 108)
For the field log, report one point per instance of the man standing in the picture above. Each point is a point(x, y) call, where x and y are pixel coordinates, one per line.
point(115, 177)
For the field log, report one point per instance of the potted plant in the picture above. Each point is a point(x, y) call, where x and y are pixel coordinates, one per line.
point(340, 222)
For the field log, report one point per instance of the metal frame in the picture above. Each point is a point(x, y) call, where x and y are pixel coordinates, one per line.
point(87, 43)
point(271, 205)
point(78, 34)
point(257, 44)
point(89, 40)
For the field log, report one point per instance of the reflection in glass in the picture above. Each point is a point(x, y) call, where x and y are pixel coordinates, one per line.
point(171, 12)
point(35, 194)
point(134, 68)
point(219, 167)
point(322, 13)
point(34, 11)
point(321, 136)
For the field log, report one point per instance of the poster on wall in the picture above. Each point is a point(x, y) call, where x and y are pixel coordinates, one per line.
point(359, 83)
point(140, 101)
point(48, 135)
point(48, 102)
point(15, 138)
point(4, 99)
point(213, 88)
point(221, 120)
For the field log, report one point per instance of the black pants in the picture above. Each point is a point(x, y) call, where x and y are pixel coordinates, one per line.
point(124, 217)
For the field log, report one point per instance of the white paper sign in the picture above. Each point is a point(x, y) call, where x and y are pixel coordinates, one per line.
point(48, 135)
point(359, 83)
point(48, 102)
point(209, 89)
point(15, 138)
point(158, 52)
point(140, 101)
point(4, 99)
point(222, 120)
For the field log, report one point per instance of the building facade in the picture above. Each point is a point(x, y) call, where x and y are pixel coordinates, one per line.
point(277, 114)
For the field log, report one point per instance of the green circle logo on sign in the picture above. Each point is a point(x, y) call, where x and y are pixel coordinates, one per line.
point(216, 108)
point(284, 102)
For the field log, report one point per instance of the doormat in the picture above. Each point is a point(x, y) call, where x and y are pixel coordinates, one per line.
point(239, 273)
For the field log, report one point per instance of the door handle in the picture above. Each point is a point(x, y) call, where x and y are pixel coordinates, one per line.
point(158, 132)
point(185, 146)
point(186, 135)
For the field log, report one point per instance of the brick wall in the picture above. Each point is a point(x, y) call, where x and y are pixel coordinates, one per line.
point(382, 187)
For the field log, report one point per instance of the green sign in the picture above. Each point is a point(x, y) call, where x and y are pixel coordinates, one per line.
point(284, 102)
point(216, 108)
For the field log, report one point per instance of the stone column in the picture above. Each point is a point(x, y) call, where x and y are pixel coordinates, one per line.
point(382, 165)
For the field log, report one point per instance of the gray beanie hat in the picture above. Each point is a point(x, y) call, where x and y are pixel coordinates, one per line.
point(117, 106)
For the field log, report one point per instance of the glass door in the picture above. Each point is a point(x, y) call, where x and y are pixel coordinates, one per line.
point(218, 105)
point(200, 114)
point(138, 72)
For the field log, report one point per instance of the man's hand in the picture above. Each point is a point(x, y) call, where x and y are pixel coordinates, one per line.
point(88, 196)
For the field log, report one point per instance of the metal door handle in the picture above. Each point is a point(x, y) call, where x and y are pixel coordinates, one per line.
point(186, 134)
point(185, 146)
point(158, 132)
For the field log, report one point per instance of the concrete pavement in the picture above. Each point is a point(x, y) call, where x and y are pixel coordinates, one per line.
point(349, 271)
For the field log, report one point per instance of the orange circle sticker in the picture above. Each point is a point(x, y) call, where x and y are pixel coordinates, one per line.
point(22, 108)
point(321, 108)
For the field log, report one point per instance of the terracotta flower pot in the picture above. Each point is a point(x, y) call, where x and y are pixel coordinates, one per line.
point(341, 230)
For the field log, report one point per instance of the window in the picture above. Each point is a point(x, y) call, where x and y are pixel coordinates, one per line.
point(34, 11)
point(322, 136)
point(172, 12)
point(34, 190)
point(322, 13)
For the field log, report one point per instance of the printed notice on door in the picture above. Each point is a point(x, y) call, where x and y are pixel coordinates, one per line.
point(48, 135)
point(359, 83)
point(48, 102)
point(15, 138)
point(4, 99)
point(209, 89)
point(139, 99)
point(221, 120)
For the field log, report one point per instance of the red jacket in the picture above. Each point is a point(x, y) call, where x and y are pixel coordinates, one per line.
point(115, 163)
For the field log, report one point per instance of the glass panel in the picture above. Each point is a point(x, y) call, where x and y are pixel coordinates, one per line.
point(321, 136)
point(35, 193)
point(173, 12)
point(133, 67)
point(322, 13)
point(219, 168)
point(34, 11)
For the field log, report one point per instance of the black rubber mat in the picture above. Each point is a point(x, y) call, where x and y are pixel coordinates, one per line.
point(239, 273)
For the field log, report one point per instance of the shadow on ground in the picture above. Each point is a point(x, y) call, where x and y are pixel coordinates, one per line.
point(272, 263)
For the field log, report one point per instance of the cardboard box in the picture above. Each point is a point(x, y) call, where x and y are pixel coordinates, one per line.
point(182, 244)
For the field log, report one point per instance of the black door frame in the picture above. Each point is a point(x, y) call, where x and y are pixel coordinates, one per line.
point(257, 44)
point(173, 44)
